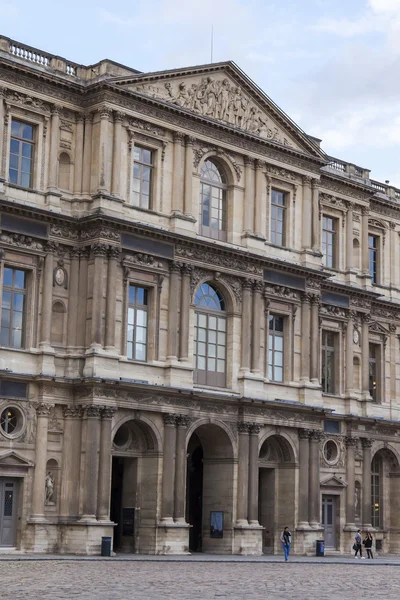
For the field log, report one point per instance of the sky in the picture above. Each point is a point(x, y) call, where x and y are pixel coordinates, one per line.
point(332, 65)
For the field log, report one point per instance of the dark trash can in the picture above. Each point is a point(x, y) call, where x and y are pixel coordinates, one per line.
point(320, 548)
point(106, 546)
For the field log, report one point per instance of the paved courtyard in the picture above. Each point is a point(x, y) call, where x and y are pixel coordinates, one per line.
point(193, 580)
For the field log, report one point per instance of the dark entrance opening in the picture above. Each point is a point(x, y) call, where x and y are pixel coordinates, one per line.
point(117, 478)
point(194, 503)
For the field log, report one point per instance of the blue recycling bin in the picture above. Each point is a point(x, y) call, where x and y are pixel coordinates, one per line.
point(320, 548)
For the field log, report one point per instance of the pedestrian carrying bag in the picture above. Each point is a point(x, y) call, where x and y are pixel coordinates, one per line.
point(355, 546)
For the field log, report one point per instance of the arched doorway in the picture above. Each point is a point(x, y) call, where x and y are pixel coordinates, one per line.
point(134, 487)
point(209, 490)
point(385, 491)
point(276, 499)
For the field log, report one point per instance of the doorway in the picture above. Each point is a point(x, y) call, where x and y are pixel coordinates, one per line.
point(8, 511)
point(195, 494)
point(328, 520)
point(123, 502)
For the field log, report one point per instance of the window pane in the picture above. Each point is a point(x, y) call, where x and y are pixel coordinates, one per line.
point(201, 348)
point(141, 335)
point(4, 336)
point(212, 322)
point(25, 180)
point(141, 318)
point(5, 318)
point(16, 340)
point(19, 279)
point(27, 150)
point(14, 162)
point(278, 374)
point(202, 320)
point(141, 296)
point(136, 153)
point(7, 277)
point(129, 351)
point(132, 292)
point(27, 131)
point(221, 366)
point(201, 363)
point(15, 128)
point(140, 352)
point(278, 343)
point(211, 364)
point(6, 300)
point(146, 156)
point(13, 176)
point(201, 335)
point(130, 333)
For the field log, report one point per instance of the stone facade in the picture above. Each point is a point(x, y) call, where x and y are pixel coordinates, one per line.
point(200, 318)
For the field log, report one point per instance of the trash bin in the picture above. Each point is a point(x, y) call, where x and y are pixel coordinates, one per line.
point(106, 545)
point(320, 548)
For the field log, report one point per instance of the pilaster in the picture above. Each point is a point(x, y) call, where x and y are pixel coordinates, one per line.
point(39, 479)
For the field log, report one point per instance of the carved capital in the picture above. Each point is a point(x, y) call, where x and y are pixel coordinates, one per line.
point(365, 318)
point(99, 249)
point(258, 287)
point(190, 140)
point(366, 442)
point(258, 164)
point(247, 284)
point(72, 412)
point(43, 409)
point(182, 420)
point(392, 328)
point(169, 418)
point(244, 427)
point(304, 434)
point(255, 428)
point(105, 113)
point(187, 270)
point(56, 110)
point(107, 412)
point(365, 210)
point(351, 442)
point(91, 411)
point(79, 118)
point(118, 116)
point(114, 252)
point(248, 161)
point(316, 435)
point(175, 267)
point(306, 180)
point(179, 137)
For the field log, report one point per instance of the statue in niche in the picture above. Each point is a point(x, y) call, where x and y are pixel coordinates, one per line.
point(49, 487)
point(357, 501)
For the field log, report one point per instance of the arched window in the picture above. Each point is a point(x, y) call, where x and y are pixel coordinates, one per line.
point(376, 491)
point(212, 201)
point(210, 337)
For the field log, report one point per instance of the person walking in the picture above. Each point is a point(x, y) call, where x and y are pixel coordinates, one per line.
point(286, 538)
point(368, 544)
point(357, 545)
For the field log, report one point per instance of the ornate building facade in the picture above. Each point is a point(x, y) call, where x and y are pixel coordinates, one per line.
point(200, 318)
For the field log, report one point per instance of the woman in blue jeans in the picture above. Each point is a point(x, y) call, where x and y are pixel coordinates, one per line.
point(286, 537)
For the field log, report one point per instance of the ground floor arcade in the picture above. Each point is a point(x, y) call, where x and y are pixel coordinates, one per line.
point(175, 482)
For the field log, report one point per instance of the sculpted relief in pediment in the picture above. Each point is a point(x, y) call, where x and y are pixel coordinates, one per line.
point(219, 99)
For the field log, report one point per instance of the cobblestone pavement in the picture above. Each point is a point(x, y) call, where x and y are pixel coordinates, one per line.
point(187, 580)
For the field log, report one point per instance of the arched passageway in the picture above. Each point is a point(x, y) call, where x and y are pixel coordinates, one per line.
point(209, 490)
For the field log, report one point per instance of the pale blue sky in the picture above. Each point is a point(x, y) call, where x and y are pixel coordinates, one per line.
point(332, 65)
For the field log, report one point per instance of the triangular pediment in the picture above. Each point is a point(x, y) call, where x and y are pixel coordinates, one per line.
point(376, 327)
point(333, 481)
point(13, 459)
point(223, 93)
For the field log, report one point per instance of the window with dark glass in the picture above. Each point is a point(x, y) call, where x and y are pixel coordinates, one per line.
point(21, 153)
point(210, 337)
point(136, 345)
point(13, 308)
point(374, 352)
point(329, 229)
point(212, 201)
point(143, 166)
point(373, 257)
point(278, 217)
point(331, 426)
point(376, 496)
point(275, 348)
point(328, 362)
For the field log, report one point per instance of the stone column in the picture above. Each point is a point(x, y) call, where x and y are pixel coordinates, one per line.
point(87, 155)
point(316, 226)
point(304, 465)
point(253, 474)
point(314, 350)
point(168, 482)
point(103, 183)
point(69, 496)
point(365, 318)
point(39, 478)
point(173, 308)
point(189, 209)
point(2, 129)
point(73, 299)
point(47, 298)
point(349, 236)
point(99, 251)
point(256, 329)
point(366, 488)
point(307, 211)
point(177, 174)
point(182, 422)
point(349, 354)
point(54, 147)
point(104, 483)
point(83, 285)
point(248, 214)
point(351, 444)
point(259, 201)
point(91, 444)
point(314, 483)
point(78, 161)
point(364, 240)
point(185, 313)
point(116, 158)
point(114, 255)
point(305, 338)
point(246, 324)
point(243, 474)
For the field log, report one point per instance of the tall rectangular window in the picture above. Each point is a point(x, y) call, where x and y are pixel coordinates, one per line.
point(142, 176)
point(373, 257)
point(278, 217)
point(13, 308)
point(328, 362)
point(374, 363)
point(275, 348)
point(21, 153)
point(137, 323)
point(329, 229)
point(376, 471)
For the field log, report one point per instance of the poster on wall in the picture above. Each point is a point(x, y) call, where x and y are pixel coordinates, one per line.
point(216, 524)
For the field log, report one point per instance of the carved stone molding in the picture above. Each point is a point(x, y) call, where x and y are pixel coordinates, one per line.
point(217, 259)
point(183, 420)
point(280, 173)
point(281, 292)
point(43, 409)
point(316, 435)
point(366, 442)
point(304, 434)
point(100, 232)
point(255, 428)
point(146, 260)
point(107, 412)
point(21, 241)
point(99, 249)
point(243, 427)
point(351, 441)
point(198, 275)
point(169, 418)
point(72, 412)
point(91, 411)
point(146, 127)
point(64, 232)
